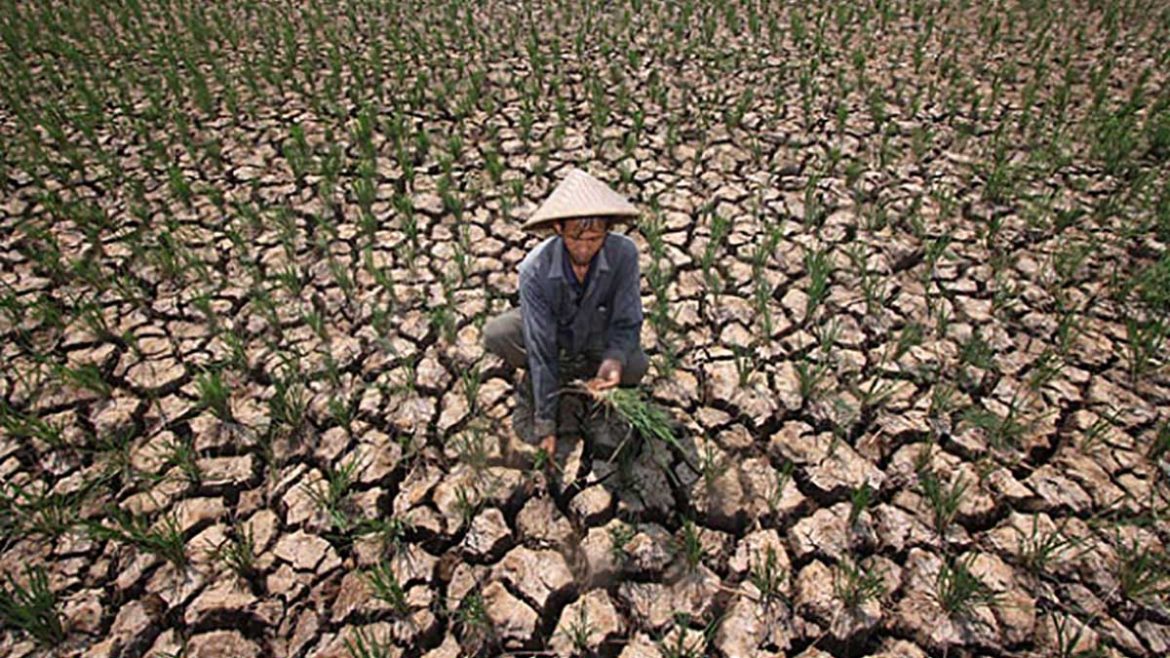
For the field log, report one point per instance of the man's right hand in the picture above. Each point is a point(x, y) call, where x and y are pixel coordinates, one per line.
point(549, 445)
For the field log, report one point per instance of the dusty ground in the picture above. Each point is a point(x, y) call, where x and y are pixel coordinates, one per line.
point(906, 286)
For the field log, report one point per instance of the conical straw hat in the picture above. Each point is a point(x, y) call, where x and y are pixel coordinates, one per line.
point(580, 195)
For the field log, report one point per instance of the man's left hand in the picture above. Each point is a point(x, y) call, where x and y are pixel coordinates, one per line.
point(608, 376)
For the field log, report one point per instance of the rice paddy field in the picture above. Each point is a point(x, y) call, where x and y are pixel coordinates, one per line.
point(906, 289)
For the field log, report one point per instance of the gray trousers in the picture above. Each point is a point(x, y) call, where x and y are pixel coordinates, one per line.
point(503, 335)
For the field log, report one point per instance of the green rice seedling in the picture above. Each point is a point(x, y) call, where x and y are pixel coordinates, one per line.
point(667, 359)
point(859, 500)
point(341, 411)
point(1067, 262)
point(671, 140)
point(472, 621)
point(941, 402)
point(944, 500)
point(712, 466)
point(871, 283)
point(34, 510)
point(469, 502)
point(1038, 550)
point(1161, 445)
point(1069, 633)
point(422, 143)
point(815, 209)
point(111, 451)
point(976, 352)
point(620, 535)
point(384, 586)
point(361, 644)
point(877, 393)
point(1161, 206)
point(472, 446)
point(935, 250)
point(768, 577)
point(163, 539)
point(1000, 180)
point(1143, 573)
point(43, 250)
point(333, 495)
point(1046, 368)
point(681, 646)
point(94, 320)
point(744, 363)
point(11, 305)
point(391, 532)
point(407, 383)
point(1005, 294)
point(494, 165)
point(652, 229)
point(237, 352)
point(776, 491)
point(32, 608)
point(237, 552)
point(689, 545)
point(1145, 342)
point(265, 307)
point(471, 379)
point(331, 370)
point(1117, 137)
point(807, 96)
point(48, 314)
point(659, 278)
point(811, 375)
point(365, 193)
point(762, 296)
point(1002, 432)
point(288, 406)
point(86, 269)
point(854, 584)
point(960, 591)
point(214, 394)
point(441, 317)
point(179, 186)
point(202, 302)
point(179, 452)
point(579, 630)
point(909, 337)
point(461, 257)
point(86, 376)
point(1098, 429)
point(817, 265)
point(1148, 288)
point(720, 228)
point(32, 382)
point(517, 190)
point(626, 174)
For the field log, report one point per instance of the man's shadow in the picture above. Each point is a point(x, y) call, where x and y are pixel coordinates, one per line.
point(648, 478)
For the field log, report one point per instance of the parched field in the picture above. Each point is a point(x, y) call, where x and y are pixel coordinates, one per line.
point(907, 297)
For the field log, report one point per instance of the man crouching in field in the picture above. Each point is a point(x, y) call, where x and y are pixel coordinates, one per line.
point(580, 309)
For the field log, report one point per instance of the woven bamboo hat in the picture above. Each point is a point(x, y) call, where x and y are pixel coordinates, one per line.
point(580, 195)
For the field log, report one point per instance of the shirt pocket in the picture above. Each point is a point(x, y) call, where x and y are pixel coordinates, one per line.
point(599, 322)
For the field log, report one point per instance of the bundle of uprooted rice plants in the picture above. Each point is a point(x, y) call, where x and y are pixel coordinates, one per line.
point(643, 416)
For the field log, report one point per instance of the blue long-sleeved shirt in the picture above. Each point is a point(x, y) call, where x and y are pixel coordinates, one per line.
point(606, 323)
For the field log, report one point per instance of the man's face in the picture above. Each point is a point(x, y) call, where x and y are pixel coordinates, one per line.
point(583, 237)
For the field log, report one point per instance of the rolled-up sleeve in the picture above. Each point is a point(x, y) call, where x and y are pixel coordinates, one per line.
point(540, 340)
point(626, 323)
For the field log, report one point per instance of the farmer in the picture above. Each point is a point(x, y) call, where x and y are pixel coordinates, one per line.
point(580, 309)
